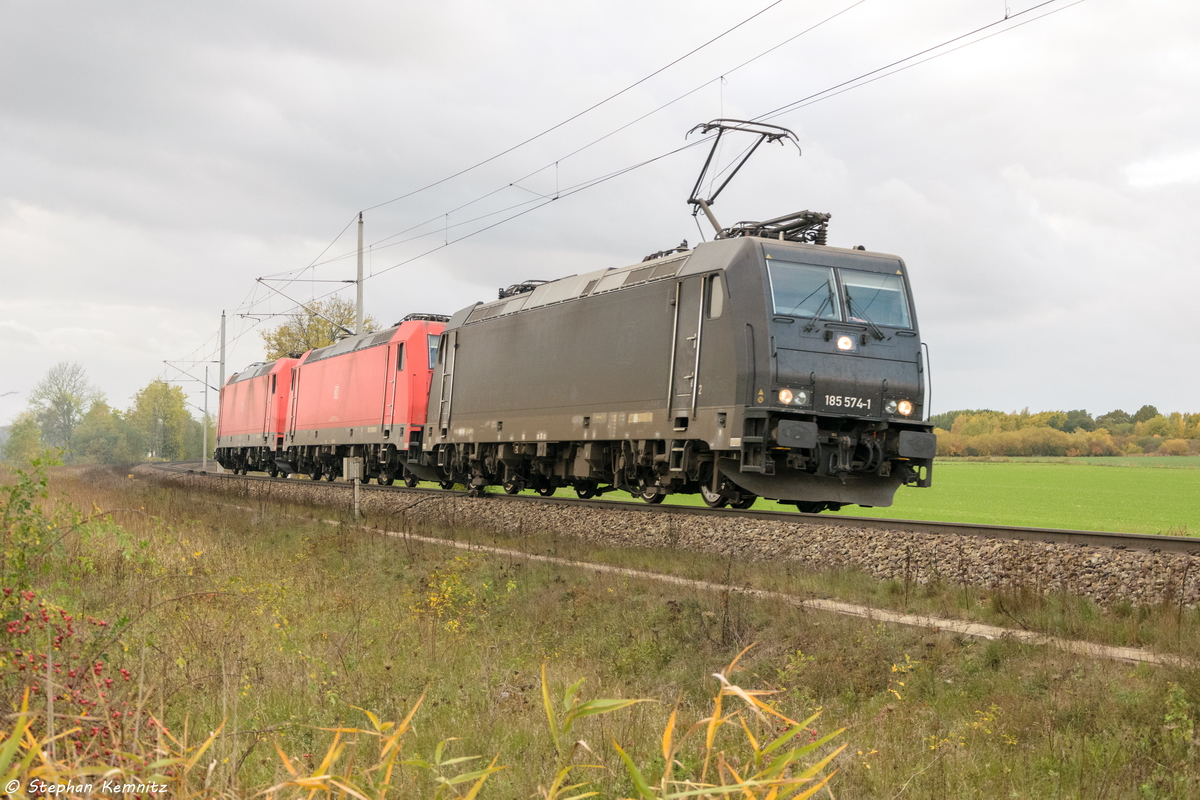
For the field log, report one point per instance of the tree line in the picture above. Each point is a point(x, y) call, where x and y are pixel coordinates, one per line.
point(68, 414)
point(983, 432)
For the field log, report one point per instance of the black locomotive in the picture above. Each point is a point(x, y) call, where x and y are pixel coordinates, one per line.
point(762, 364)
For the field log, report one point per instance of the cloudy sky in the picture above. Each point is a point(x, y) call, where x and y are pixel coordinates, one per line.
point(1041, 180)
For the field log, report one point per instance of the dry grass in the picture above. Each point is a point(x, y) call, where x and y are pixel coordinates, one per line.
point(256, 635)
point(251, 642)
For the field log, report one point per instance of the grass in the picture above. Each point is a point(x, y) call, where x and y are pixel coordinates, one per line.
point(1143, 462)
point(1150, 496)
point(1056, 495)
point(269, 627)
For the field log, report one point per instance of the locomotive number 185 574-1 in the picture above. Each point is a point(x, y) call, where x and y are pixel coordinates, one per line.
point(846, 401)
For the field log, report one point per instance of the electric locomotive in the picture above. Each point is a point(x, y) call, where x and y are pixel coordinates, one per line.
point(252, 416)
point(762, 364)
point(364, 396)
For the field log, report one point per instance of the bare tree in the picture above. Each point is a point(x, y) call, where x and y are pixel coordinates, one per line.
point(59, 402)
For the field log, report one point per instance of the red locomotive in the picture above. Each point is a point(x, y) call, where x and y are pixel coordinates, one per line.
point(363, 397)
point(253, 410)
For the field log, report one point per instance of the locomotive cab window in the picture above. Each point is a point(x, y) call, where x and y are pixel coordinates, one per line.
point(803, 290)
point(399, 356)
point(434, 339)
point(875, 297)
point(715, 297)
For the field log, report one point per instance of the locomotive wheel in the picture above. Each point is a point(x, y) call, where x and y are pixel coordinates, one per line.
point(744, 502)
point(273, 471)
point(447, 485)
point(652, 496)
point(586, 491)
point(808, 507)
point(315, 474)
point(411, 480)
point(713, 499)
point(385, 479)
point(512, 487)
point(546, 491)
point(330, 477)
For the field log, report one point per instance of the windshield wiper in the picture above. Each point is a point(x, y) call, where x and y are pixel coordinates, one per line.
point(812, 323)
point(878, 334)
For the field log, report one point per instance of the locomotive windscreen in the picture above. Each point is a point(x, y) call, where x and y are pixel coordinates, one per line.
point(803, 290)
point(876, 297)
point(808, 290)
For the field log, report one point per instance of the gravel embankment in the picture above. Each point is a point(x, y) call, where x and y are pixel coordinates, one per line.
point(1106, 576)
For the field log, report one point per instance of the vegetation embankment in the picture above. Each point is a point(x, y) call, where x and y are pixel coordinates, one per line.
point(1067, 433)
point(266, 628)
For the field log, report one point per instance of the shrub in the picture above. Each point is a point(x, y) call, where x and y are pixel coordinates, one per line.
point(1174, 447)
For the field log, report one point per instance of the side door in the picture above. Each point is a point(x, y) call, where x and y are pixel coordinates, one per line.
point(446, 354)
point(396, 386)
point(269, 407)
point(685, 357)
point(293, 402)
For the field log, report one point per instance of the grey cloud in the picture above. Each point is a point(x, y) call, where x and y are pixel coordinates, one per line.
point(158, 158)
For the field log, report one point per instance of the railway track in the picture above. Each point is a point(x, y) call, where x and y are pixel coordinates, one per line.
point(1095, 539)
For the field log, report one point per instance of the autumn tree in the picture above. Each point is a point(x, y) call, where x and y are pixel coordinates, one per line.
point(24, 440)
point(160, 415)
point(1145, 414)
point(1112, 419)
point(194, 439)
point(59, 401)
point(319, 324)
point(105, 436)
point(1079, 420)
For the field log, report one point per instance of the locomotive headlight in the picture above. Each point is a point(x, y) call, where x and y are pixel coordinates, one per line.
point(793, 397)
point(905, 407)
point(845, 343)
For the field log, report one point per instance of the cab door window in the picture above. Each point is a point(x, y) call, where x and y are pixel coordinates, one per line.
point(433, 349)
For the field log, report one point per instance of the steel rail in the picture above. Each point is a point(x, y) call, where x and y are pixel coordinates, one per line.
point(1154, 543)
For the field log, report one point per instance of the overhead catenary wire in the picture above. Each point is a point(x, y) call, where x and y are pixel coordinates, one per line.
point(864, 79)
point(854, 83)
point(547, 131)
point(936, 51)
point(577, 151)
point(576, 116)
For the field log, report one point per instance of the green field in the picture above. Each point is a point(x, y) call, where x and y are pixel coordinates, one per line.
point(1052, 494)
point(1133, 495)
